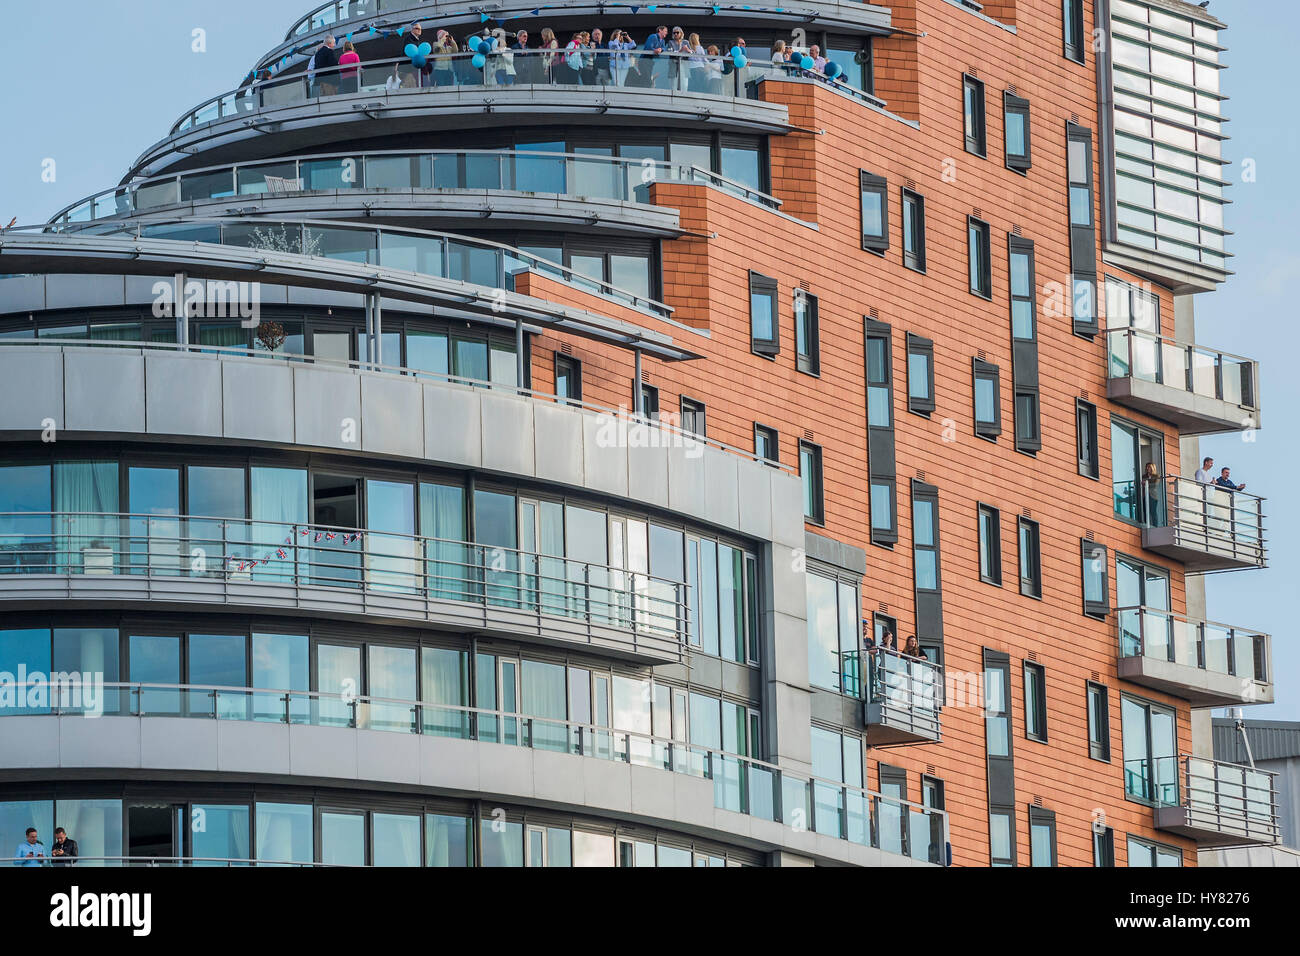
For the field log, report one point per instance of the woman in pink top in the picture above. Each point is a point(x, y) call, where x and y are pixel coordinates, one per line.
point(349, 70)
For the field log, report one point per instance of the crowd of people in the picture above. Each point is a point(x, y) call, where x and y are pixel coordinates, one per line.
point(666, 59)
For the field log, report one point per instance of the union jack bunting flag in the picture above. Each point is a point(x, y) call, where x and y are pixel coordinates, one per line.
point(280, 554)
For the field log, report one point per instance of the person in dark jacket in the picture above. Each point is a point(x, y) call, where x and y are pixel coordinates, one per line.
point(64, 850)
point(325, 64)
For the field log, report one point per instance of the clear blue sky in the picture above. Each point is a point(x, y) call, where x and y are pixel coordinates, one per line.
point(94, 82)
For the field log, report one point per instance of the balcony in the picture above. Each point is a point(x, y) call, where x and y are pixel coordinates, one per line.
point(1216, 804)
point(1205, 527)
point(1197, 389)
point(320, 734)
point(903, 699)
point(153, 561)
point(1210, 665)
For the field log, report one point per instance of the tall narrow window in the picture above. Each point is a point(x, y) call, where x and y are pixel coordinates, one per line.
point(920, 375)
point(1002, 838)
point(990, 530)
point(988, 400)
point(764, 330)
point(973, 108)
point(880, 432)
point(766, 444)
point(1085, 416)
point(1098, 722)
point(1072, 29)
point(875, 212)
point(1035, 702)
point(1083, 232)
point(928, 582)
point(650, 402)
point(693, 417)
point(977, 250)
point(568, 377)
point(1096, 579)
point(1015, 110)
point(1031, 575)
point(1024, 344)
point(1103, 845)
point(1042, 837)
point(810, 470)
point(913, 230)
point(807, 346)
point(1000, 766)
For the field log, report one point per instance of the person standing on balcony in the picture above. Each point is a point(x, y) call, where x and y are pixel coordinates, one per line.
point(713, 81)
point(1224, 481)
point(1203, 474)
point(913, 648)
point(653, 64)
point(350, 74)
point(620, 60)
point(31, 852)
point(526, 67)
point(698, 78)
point(325, 65)
point(547, 58)
point(819, 61)
point(1151, 487)
point(600, 57)
point(444, 68)
point(64, 852)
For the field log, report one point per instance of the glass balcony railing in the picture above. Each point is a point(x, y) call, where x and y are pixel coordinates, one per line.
point(1164, 636)
point(1206, 526)
point(1188, 368)
point(401, 567)
point(904, 697)
point(438, 254)
point(741, 784)
point(630, 69)
point(564, 174)
point(1213, 802)
point(1152, 780)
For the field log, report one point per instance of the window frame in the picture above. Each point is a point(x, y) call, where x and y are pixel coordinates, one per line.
point(984, 264)
point(574, 375)
point(1083, 236)
point(809, 362)
point(1039, 817)
point(1072, 16)
point(976, 139)
point(1089, 466)
point(919, 345)
point(649, 402)
point(1098, 721)
point(775, 442)
point(1035, 702)
point(913, 260)
point(1103, 846)
point(1013, 105)
point(1155, 848)
point(1031, 586)
point(878, 185)
point(987, 371)
point(761, 285)
point(820, 491)
point(696, 407)
point(1089, 553)
point(994, 574)
point(882, 470)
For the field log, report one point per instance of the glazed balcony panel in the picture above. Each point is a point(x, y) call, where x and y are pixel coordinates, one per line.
point(1208, 664)
point(1214, 803)
point(286, 734)
point(1200, 390)
point(903, 700)
point(1206, 527)
point(152, 560)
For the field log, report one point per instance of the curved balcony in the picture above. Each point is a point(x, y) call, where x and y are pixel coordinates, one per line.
point(1200, 390)
point(1208, 664)
point(519, 187)
point(175, 561)
point(331, 736)
point(1206, 527)
point(903, 699)
point(1214, 803)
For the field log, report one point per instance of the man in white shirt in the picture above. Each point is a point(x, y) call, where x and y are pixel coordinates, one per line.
point(1203, 473)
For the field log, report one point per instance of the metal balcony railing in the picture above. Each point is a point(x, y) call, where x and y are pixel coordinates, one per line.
point(1191, 368)
point(1210, 519)
point(1208, 799)
point(904, 693)
point(1217, 648)
point(565, 174)
point(402, 567)
point(151, 861)
point(741, 784)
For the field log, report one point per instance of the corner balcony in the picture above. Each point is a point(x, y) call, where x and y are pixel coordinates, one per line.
point(1216, 804)
point(903, 699)
point(1205, 527)
point(376, 741)
point(1199, 390)
point(1207, 664)
point(152, 561)
point(519, 188)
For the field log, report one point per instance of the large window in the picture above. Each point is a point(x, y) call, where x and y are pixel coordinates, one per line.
point(764, 330)
point(1137, 457)
point(1031, 572)
point(973, 110)
point(810, 471)
point(920, 375)
point(1035, 702)
point(990, 531)
point(875, 212)
point(1015, 111)
point(1098, 721)
point(1150, 751)
point(834, 613)
point(1147, 853)
point(807, 351)
point(838, 757)
point(977, 250)
point(913, 230)
point(988, 399)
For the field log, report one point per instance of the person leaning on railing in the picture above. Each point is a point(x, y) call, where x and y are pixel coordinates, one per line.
point(1224, 481)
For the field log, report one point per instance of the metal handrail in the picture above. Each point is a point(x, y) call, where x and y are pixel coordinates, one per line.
point(799, 804)
point(127, 192)
point(1137, 353)
point(1235, 797)
point(1215, 518)
point(144, 860)
point(301, 236)
point(904, 681)
point(189, 546)
point(686, 439)
point(1162, 634)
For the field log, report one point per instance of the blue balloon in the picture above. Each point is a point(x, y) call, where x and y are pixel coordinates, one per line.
point(740, 62)
point(418, 61)
point(737, 51)
point(806, 63)
point(489, 44)
point(425, 49)
point(411, 49)
point(832, 70)
point(478, 61)
point(475, 42)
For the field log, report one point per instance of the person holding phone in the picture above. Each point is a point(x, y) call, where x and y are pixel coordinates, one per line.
point(31, 852)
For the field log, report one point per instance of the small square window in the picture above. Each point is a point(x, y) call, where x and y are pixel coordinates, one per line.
point(1015, 111)
point(875, 212)
point(973, 108)
point(920, 375)
point(692, 417)
point(764, 325)
point(766, 444)
point(988, 400)
point(981, 266)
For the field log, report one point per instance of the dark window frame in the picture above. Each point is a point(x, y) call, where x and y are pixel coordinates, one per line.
point(1100, 722)
point(881, 464)
point(649, 402)
point(913, 260)
point(1035, 715)
point(819, 502)
point(1089, 464)
point(1072, 17)
point(928, 601)
point(919, 345)
point(1013, 105)
point(987, 371)
point(775, 442)
point(871, 183)
point(1010, 814)
point(809, 362)
point(994, 573)
point(761, 285)
point(976, 139)
point(574, 375)
point(1103, 846)
point(1031, 586)
point(1083, 236)
point(984, 263)
point(696, 407)
point(1039, 817)
point(1091, 552)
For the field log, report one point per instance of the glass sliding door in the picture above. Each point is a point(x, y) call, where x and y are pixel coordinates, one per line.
point(587, 549)
point(343, 838)
point(390, 545)
point(214, 494)
point(543, 696)
point(668, 567)
point(279, 503)
point(154, 501)
point(86, 498)
point(445, 687)
point(26, 544)
point(282, 662)
point(23, 651)
point(90, 652)
point(1150, 751)
point(392, 673)
point(219, 660)
point(395, 839)
point(156, 659)
point(219, 833)
point(338, 681)
point(283, 832)
point(495, 536)
point(442, 525)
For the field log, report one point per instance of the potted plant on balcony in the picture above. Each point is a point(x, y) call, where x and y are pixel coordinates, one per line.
point(270, 336)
